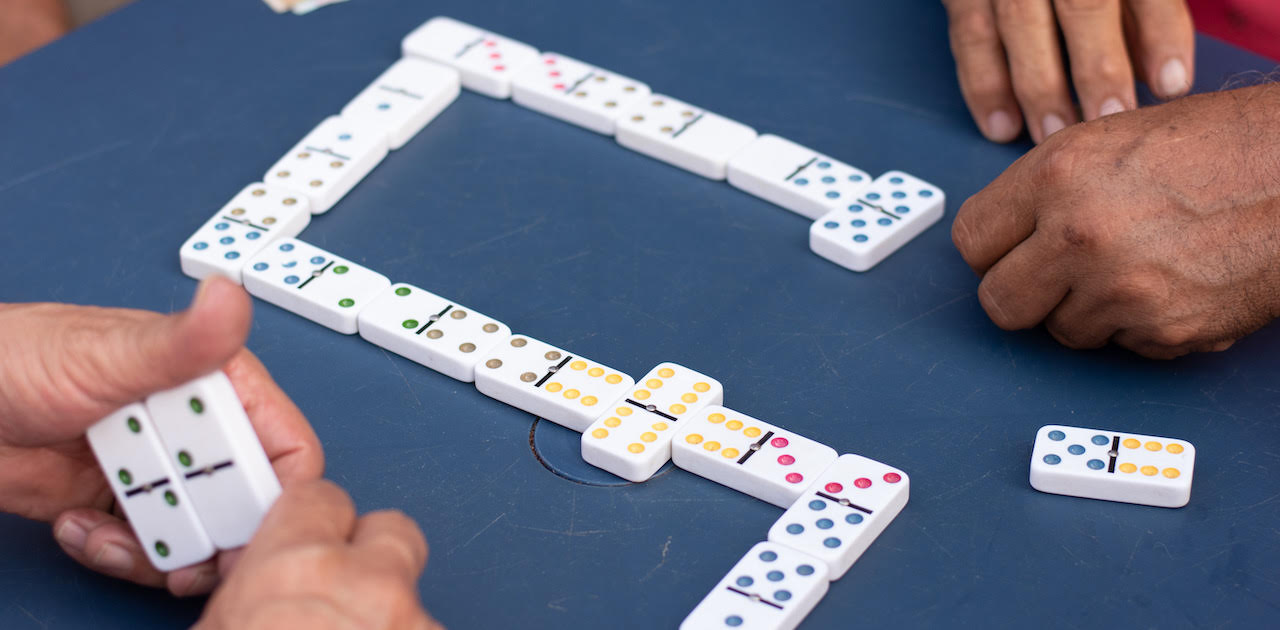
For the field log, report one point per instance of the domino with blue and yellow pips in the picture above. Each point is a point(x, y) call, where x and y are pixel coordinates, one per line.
point(795, 177)
point(548, 382)
point(843, 511)
point(632, 439)
point(749, 455)
point(894, 209)
point(404, 98)
point(149, 489)
point(311, 282)
point(773, 587)
point(330, 161)
point(256, 216)
point(424, 327)
point(1112, 466)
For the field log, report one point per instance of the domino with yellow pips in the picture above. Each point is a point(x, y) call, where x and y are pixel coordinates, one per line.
point(1112, 466)
point(633, 439)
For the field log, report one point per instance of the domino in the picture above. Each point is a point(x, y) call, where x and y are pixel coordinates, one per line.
point(575, 92)
point(424, 327)
point(680, 134)
point(253, 218)
point(1112, 466)
point(486, 62)
point(148, 488)
point(313, 283)
point(210, 442)
point(845, 509)
point(633, 438)
point(330, 161)
point(748, 455)
point(795, 177)
point(771, 588)
point(550, 383)
point(894, 209)
point(404, 98)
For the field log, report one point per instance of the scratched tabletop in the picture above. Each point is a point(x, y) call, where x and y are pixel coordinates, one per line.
point(120, 140)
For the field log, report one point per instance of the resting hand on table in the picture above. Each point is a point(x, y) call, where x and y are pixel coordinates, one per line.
point(1011, 68)
point(1158, 230)
point(63, 368)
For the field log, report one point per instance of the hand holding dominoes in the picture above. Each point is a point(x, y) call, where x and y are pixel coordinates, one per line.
point(96, 363)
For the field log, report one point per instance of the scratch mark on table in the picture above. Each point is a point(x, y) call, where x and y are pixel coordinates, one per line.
point(666, 548)
point(911, 321)
point(79, 157)
point(524, 229)
point(477, 534)
point(403, 378)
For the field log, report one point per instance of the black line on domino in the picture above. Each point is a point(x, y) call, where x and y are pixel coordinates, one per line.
point(316, 274)
point(552, 370)
point(755, 447)
point(653, 409)
point(686, 126)
point(146, 488)
point(844, 502)
point(209, 470)
point(433, 319)
point(800, 168)
point(753, 597)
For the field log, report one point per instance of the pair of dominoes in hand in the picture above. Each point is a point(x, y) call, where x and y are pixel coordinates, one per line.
point(858, 221)
point(187, 468)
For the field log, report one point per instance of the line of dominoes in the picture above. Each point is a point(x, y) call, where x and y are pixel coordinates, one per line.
point(836, 505)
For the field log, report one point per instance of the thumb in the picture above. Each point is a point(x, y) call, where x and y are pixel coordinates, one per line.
point(96, 360)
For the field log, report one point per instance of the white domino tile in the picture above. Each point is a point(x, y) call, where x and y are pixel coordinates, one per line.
point(487, 62)
point(330, 161)
point(632, 439)
point(211, 443)
point(795, 177)
point(772, 587)
point(255, 217)
point(404, 98)
point(576, 92)
point(841, 514)
point(1113, 466)
point(749, 455)
point(548, 382)
point(150, 490)
point(894, 209)
point(682, 135)
point(311, 282)
point(424, 327)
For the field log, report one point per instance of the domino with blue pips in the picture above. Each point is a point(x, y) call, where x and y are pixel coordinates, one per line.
point(404, 98)
point(894, 209)
point(773, 587)
point(795, 177)
point(256, 216)
point(330, 161)
point(311, 282)
point(1112, 466)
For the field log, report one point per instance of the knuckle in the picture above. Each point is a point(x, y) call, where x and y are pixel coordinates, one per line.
point(993, 302)
point(973, 27)
point(1069, 8)
point(1174, 335)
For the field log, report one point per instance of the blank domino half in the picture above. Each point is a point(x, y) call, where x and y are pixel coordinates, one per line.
point(838, 517)
point(633, 438)
point(795, 177)
point(1112, 466)
point(894, 209)
point(749, 455)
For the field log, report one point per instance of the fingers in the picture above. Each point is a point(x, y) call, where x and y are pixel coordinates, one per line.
point(1025, 286)
point(107, 545)
point(1100, 67)
point(982, 69)
point(1164, 45)
point(308, 513)
point(996, 219)
point(1080, 323)
point(391, 539)
point(286, 436)
point(1030, 37)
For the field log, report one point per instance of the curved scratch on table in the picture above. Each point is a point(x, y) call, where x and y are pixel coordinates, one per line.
point(79, 157)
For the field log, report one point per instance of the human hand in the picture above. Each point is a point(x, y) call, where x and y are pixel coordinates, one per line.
point(64, 367)
point(314, 564)
point(1010, 65)
point(1158, 230)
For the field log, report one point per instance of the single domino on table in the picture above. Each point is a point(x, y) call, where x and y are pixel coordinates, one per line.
point(795, 177)
point(255, 217)
point(486, 62)
point(749, 455)
point(772, 587)
point(632, 439)
point(680, 134)
point(330, 161)
point(404, 98)
point(894, 209)
point(846, 508)
point(576, 92)
point(424, 327)
point(1113, 466)
point(151, 491)
point(548, 382)
point(211, 443)
point(311, 282)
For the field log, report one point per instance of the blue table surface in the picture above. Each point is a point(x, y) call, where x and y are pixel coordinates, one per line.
point(118, 141)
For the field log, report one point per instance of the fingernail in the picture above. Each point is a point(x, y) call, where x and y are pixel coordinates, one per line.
point(1052, 124)
point(1173, 78)
point(113, 558)
point(1111, 106)
point(72, 534)
point(200, 289)
point(1000, 126)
